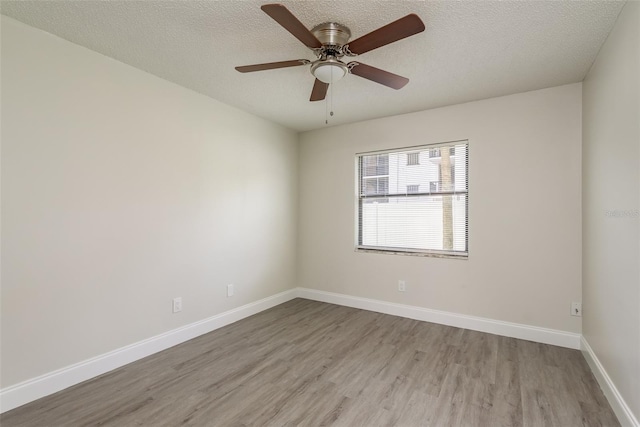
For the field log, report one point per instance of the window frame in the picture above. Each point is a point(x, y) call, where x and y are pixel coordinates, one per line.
point(412, 251)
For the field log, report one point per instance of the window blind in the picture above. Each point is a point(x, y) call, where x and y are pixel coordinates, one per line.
point(414, 199)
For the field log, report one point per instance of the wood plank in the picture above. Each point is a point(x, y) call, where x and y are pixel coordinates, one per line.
point(311, 363)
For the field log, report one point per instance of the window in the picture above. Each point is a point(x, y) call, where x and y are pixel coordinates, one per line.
point(375, 175)
point(412, 189)
point(376, 165)
point(410, 207)
point(435, 152)
point(413, 159)
point(377, 185)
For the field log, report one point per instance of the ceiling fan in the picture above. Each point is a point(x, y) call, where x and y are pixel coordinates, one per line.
point(329, 41)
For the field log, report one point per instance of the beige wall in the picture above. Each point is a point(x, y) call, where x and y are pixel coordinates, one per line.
point(524, 201)
point(611, 182)
point(121, 191)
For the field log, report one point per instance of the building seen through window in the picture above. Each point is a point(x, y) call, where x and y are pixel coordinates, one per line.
point(414, 200)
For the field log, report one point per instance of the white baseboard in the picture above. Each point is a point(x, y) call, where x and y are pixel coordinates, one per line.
point(33, 389)
point(618, 404)
point(507, 329)
point(30, 390)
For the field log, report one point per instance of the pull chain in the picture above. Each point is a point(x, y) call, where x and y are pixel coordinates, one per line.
point(328, 105)
point(326, 112)
point(331, 98)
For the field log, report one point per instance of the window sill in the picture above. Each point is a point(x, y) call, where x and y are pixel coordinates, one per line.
point(461, 256)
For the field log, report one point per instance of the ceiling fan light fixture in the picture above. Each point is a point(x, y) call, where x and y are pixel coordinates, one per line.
point(329, 71)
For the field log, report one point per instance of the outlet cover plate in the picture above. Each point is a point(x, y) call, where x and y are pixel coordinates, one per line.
point(177, 304)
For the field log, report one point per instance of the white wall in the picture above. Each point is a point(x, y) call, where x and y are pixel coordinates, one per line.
point(611, 204)
point(121, 191)
point(524, 261)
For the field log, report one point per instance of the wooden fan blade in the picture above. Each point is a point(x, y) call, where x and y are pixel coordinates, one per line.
point(397, 30)
point(319, 91)
point(377, 75)
point(290, 23)
point(271, 65)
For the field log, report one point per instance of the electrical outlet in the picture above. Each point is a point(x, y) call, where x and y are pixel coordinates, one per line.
point(230, 290)
point(402, 286)
point(177, 304)
point(576, 309)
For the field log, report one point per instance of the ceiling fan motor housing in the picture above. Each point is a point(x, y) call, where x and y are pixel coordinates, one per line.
point(331, 34)
point(328, 68)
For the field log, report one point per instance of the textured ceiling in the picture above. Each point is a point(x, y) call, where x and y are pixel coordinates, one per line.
point(470, 50)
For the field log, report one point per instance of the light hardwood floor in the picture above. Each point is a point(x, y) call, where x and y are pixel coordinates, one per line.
point(310, 363)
